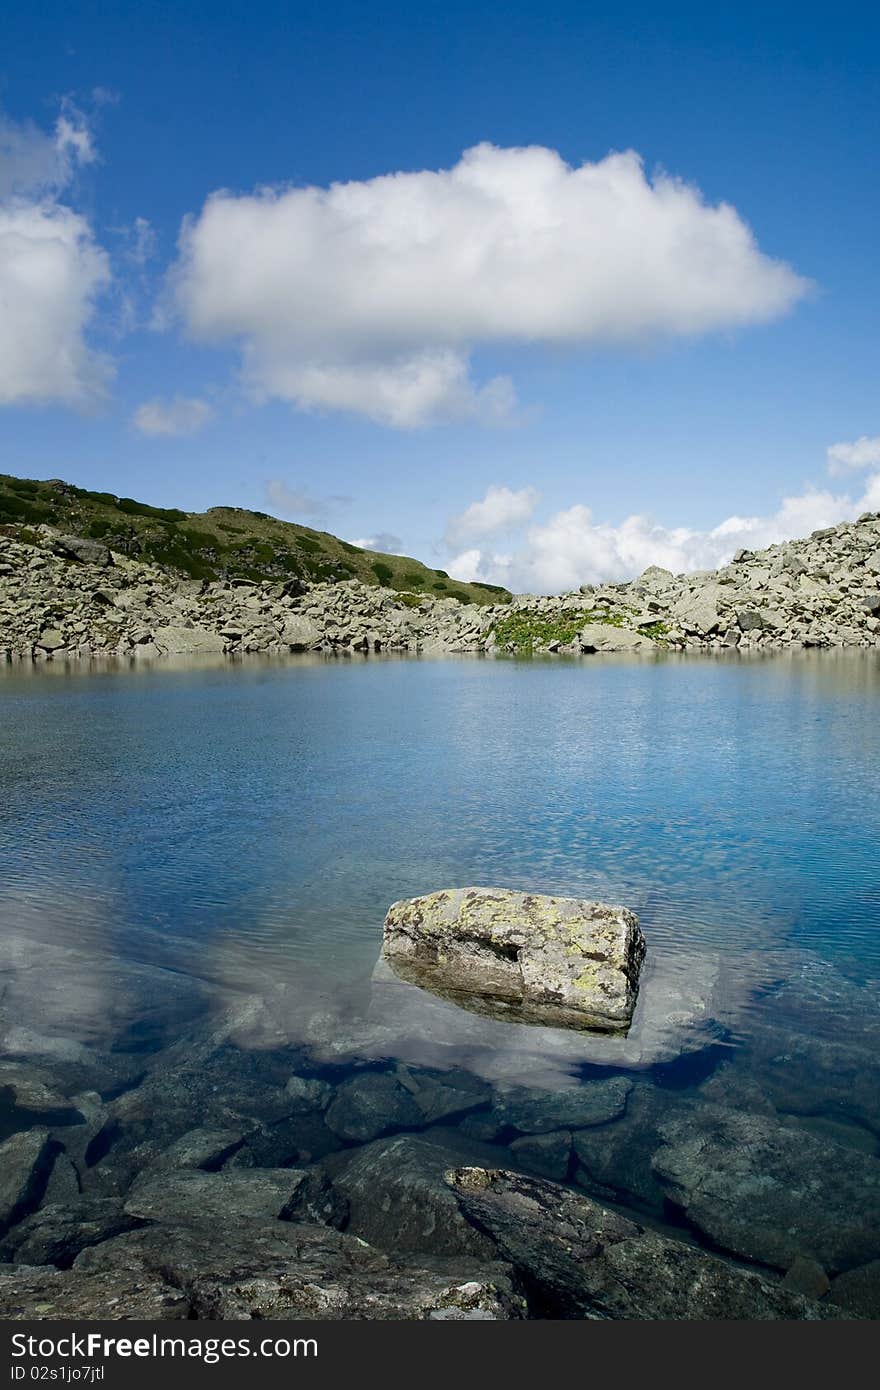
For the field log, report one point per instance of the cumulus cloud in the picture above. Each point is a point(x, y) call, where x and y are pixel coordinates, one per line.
point(499, 510)
point(183, 415)
point(51, 269)
point(383, 541)
point(370, 296)
point(573, 548)
point(861, 453)
point(51, 272)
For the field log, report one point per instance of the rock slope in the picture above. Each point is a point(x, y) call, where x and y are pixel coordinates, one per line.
point(65, 596)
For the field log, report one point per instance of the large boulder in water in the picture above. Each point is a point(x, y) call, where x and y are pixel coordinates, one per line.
point(535, 959)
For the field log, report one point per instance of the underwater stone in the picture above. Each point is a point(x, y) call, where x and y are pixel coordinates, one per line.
point(529, 958)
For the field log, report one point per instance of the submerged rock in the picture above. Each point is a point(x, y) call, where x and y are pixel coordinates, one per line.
point(521, 956)
point(767, 1191)
point(25, 1164)
point(580, 1260)
point(399, 1199)
point(57, 1233)
point(370, 1105)
point(858, 1290)
point(191, 1197)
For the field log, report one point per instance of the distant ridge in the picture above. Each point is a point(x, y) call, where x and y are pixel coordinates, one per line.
point(223, 542)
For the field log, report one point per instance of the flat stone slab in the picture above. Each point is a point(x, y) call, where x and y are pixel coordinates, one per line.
point(524, 957)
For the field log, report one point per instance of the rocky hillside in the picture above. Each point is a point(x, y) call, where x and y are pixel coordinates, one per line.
point(221, 543)
point(65, 596)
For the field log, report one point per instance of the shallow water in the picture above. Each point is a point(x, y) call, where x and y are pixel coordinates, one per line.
point(245, 827)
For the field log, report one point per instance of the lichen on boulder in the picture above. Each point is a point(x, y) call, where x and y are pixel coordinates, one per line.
point(562, 962)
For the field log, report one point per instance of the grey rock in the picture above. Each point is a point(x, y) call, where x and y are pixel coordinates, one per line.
point(749, 620)
point(201, 1148)
point(57, 1233)
point(29, 1294)
point(370, 1105)
point(533, 1111)
point(305, 1095)
point(81, 548)
point(532, 958)
point(26, 1161)
point(806, 1277)
point(185, 641)
point(189, 1197)
point(583, 1261)
point(399, 1199)
point(770, 1192)
point(858, 1290)
point(300, 633)
point(548, 1155)
point(290, 1271)
point(604, 637)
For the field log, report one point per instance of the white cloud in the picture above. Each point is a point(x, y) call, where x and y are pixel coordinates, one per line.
point(499, 510)
point(369, 296)
point(51, 273)
point(469, 565)
point(432, 386)
point(34, 163)
point(572, 548)
point(383, 541)
point(51, 270)
point(861, 453)
point(181, 416)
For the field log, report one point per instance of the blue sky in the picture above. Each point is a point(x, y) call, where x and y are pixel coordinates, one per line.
point(398, 359)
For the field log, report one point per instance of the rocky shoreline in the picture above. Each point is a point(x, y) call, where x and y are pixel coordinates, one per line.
point(231, 1168)
point(71, 598)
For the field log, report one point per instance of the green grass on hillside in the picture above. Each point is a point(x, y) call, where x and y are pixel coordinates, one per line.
point(222, 543)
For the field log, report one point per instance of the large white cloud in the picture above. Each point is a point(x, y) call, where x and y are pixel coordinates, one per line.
point(572, 548)
point(182, 415)
point(51, 269)
point(368, 296)
point(51, 272)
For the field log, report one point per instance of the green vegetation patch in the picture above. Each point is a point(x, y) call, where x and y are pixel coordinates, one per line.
point(133, 508)
point(529, 628)
point(384, 573)
point(521, 632)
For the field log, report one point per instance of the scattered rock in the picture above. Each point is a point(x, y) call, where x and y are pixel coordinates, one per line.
point(821, 591)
